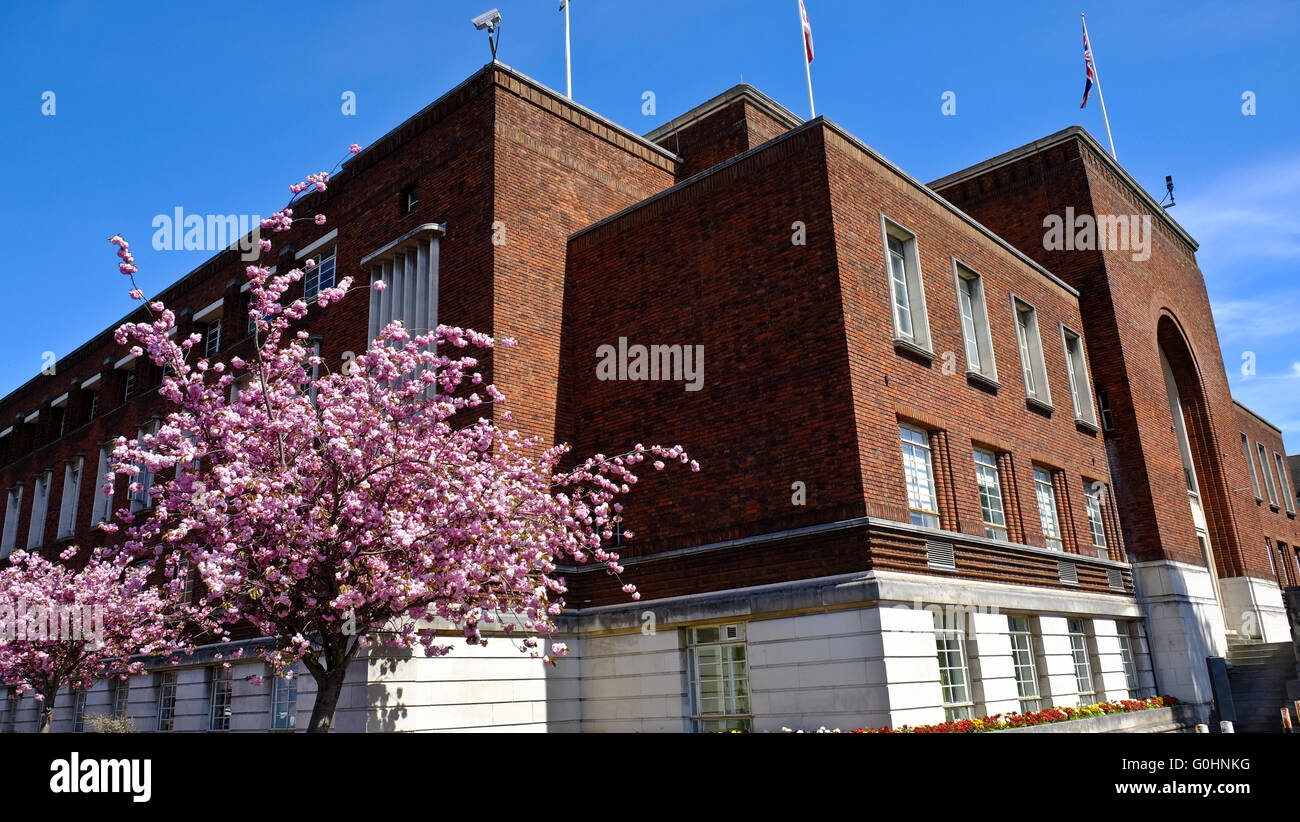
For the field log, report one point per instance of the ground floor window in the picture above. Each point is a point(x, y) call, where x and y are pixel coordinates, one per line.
point(1022, 657)
point(219, 698)
point(1126, 644)
point(719, 676)
point(78, 710)
point(166, 701)
point(284, 703)
point(1082, 663)
point(954, 672)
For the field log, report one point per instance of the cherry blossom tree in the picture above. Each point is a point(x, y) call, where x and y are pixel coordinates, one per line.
point(60, 625)
point(378, 505)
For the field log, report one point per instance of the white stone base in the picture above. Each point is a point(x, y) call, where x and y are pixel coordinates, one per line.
point(1254, 608)
point(1184, 626)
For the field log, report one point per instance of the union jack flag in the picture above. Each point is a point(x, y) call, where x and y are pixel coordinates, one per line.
point(1088, 67)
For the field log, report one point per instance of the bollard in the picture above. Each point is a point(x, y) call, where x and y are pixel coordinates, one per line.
point(1202, 728)
point(1225, 727)
point(1286, 720)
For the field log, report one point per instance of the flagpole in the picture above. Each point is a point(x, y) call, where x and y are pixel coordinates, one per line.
point(1100, 97)
point(807, 65)
point(568, 69)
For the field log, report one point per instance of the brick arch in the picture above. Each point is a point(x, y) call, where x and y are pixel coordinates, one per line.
point(1204, 444)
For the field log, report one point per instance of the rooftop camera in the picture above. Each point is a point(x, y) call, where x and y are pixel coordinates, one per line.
point(487, 20)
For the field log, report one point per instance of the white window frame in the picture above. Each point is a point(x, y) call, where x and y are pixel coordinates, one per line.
point(1250, 462)
point(284, 703)
point(221, 693)
point(73, 471)
point(128, 385)
point(78, 709)
point(1029, 342)
point(1128, 659)
point(918, 333)
point(1262, 452)
point(1076, 369)
point(313, 280)
point(1284, 482)
point(103, 508)
point(1092, 503)
point(913, 454)
point(1084, 679)
point(141, 500)
point(734, 697)
point(1024, 664)
point(1049, 512)
point(986, 464)
point(40, 509)
point(13, 506)
point(408, 267)
point(166, 702)
point(119, 697)
point(973, 313)
point(954, 679)
point(212, 339)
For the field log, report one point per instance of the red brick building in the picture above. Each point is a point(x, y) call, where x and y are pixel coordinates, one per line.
point(934, 456)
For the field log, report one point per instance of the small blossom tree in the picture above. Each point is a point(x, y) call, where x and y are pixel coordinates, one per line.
point(65, 626)
point(369, 506)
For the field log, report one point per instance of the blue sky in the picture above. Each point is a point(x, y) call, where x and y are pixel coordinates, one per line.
point(216, 109)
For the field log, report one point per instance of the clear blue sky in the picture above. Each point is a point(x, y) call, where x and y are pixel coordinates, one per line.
point(216, 108)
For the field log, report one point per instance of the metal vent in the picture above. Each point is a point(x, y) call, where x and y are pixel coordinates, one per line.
point(731, 632)
point(940, 555)
point(1069, 572)
point(1116, 578)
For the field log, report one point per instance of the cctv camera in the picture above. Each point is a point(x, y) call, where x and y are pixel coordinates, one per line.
point(487, 20)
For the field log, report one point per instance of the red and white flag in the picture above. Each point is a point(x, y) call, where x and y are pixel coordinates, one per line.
point(1089, 70)
point(807, 32)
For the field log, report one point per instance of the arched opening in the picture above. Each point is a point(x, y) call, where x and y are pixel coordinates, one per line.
point(1196, 446)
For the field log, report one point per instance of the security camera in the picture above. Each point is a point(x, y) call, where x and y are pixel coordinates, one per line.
point(487, 20)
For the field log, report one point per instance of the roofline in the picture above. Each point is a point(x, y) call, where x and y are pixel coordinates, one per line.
point(840, 131)
point(741, 91)
point(1237, 403)
point(1064, 135)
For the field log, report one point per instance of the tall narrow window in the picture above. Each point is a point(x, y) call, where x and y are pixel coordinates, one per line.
point(92, 406)
point(103, 500)
point(1046, 495)
point(166, 701)
point(9, 537)
point(212, 339)
point(320, 276)
point(408, 268)
point(974, 322)
point(954, 674)
point(40, 505)
point(1103, 405)
point(918, 471)
point(284, 703)
point(1284, 483)
point(1082, 662)
point(719, 678)
point(1268, 474)
point(1030, 343)
point(1127, 658)
point(1022, 658)
point(1092, 501)
point(219, 693)
point(119, 696)
point(71, 494)
point(78, 710)
point(986, 474)
point(906, 293)
point(1250, 462)
point(1076, 368)
point(128, 385)
point(140, 496)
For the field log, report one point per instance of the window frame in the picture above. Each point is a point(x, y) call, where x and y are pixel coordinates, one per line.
point(1028, 702)
point(976, 299)
point(1058, 536)
point(96, 515)
point(221, 698)
point(1262, 453)
point(142, 500)
point(1128, 659)
point(1029, 345)
point(1082, 667)
point(1076, 372)
point(166, 684)
point(13, 511)
point(953, 709)
point(311, 280)
point(72, 479)
point(914, 287)
point(735, 690)
point(290, 705)
point(1095, 497)
point(990, 527)
point(212, 339)
point(36, 525)
point(1250, 462)
point(919, 515)
point(1284, 483)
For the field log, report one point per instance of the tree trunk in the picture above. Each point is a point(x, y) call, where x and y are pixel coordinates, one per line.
point(47, 709)
point(329, 685)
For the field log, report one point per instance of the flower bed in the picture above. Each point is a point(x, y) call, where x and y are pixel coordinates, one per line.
point(1002, 722)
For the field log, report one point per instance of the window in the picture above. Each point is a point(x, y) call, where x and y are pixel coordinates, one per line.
point(119, 692)
point(1076, 368)
point(320, 276)
point(141, 498)
point(1250, 461)
point(974, 322)
point(1047, 508)
point(954, 675)
point(919, 473)
point(986, 474)
point(212, 339)
point(59, 422)
point(1268, 474)
point(409, 200)
point(284, 703)
point(1092, 502)
point(9, 537)
point(40, 505)
point(166, 701)
point(1022, 658)
point(1082, 664)
point(1284, 482)
point(128, 385)
point(252, 313)
point(78, 710)
point(1126, 656)
point(185, 570)
point(408, 267)
point(1272, 563)
point(1030, 343)
point(906, 295)
point(719, 678)
point(11, 708)
point(219, 692)
point(71, 493)
point(103, 508)
point(1107, 418)
point(92, 405)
